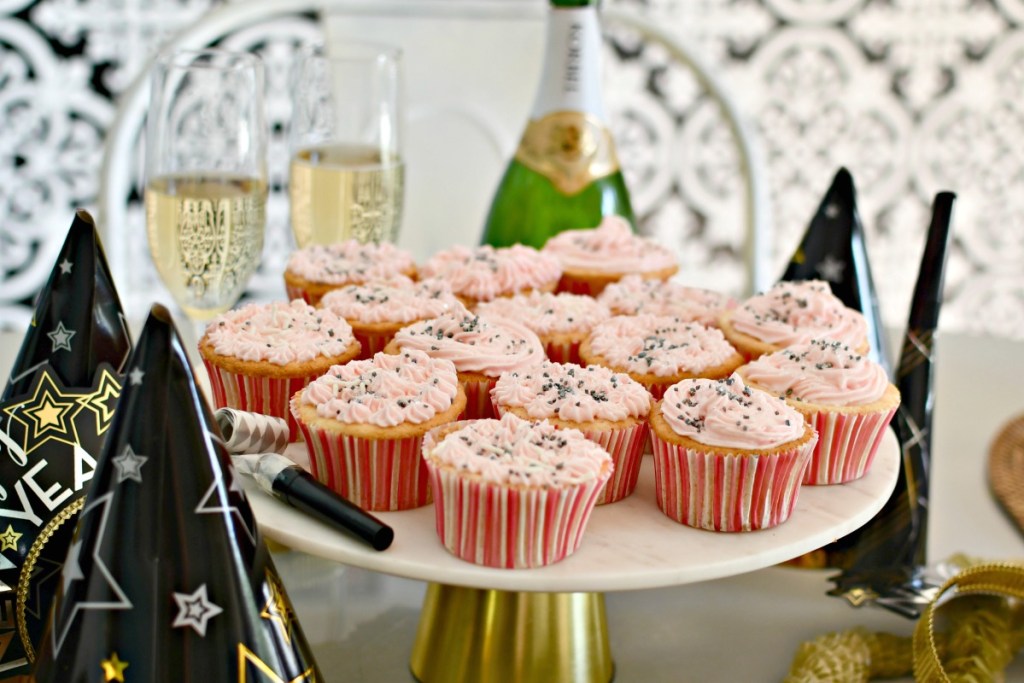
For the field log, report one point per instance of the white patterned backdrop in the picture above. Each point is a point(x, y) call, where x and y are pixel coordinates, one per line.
point(913, 96)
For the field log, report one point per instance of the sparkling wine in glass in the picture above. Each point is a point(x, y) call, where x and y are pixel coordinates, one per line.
point(206, 176)
point(347, 174)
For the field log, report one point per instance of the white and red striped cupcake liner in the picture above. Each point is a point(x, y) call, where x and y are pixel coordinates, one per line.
point(722, 492)
point(510, 528)
point(478, 399)
point(371, 343)
point(376, 474)
point(847, 444)
point(626, 446)
point(563, 352)
point(255, 394)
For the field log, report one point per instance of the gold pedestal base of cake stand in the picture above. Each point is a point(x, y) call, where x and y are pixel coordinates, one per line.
point(472, 635)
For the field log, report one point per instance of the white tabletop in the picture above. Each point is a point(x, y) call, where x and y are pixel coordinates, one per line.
point(362, 624)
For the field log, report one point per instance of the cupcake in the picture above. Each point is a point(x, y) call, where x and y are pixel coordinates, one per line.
point(317, 269)
point(481, 349)
point(562, 321)
point(483, 273)
point(376, 310)
point(659, 351)
point(608, 407)
point(634, 295)
point(728, 457)
point(792, 313)
point(363, 423)
point(258, 355)
point(843, 394)
point(510, 493)
point(592, 258)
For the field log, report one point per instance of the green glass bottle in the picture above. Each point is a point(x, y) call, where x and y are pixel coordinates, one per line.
point(565, 174)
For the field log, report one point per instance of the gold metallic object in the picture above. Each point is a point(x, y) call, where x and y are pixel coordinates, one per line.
point(472, 635)
point(569, 148)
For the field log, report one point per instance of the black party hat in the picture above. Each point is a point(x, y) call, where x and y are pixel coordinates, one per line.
point(54, 413)
point(833, 250)
point(168, 577)
point(886, 558)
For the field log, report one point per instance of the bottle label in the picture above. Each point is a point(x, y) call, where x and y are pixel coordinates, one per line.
point(569, 148)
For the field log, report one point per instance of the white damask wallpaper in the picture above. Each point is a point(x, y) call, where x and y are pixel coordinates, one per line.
point(913, 96)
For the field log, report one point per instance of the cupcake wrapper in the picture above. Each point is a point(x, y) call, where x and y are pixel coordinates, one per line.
point(727, 492)
point(626, 446)
point(376, 474)
point(581, 286)
point(265, 395)
point(371, 343)
point(847, 445)
point(658, 390)
point(508, 528)
point(478, 399)
point(565, 352)
point(297, 293)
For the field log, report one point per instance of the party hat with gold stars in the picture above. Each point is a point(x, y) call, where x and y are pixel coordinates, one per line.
point(833, 250)
point(168, 577)
point(54, 412)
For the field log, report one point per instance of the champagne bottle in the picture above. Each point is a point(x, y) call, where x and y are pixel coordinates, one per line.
point(565, 173)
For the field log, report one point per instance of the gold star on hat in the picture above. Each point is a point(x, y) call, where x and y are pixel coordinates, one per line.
point(113, 668)
point(9, 539)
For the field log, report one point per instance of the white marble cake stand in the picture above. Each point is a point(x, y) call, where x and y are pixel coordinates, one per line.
point(629, 545)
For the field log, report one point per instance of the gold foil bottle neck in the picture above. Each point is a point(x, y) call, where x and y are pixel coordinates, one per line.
point(569, 148)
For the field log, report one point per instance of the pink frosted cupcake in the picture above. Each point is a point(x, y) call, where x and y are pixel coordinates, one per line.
point(317, 269)
point(258, 355)
point(634, 295)
point(483, 273)
point(659, 351)
point(363, 423)
point(510, 493)
point(592, 258)
point(728, 457)
point(376, 310)
point(609, 408)
point(792, 313)
point(844, 395)
point(562, 321)
point(481, 349)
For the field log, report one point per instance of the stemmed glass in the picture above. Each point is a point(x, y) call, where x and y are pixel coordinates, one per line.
point(206, 176)
point(347, 174)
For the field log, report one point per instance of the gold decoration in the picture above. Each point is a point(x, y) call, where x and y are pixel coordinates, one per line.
point(103, 401)
point(247, 656)
point(568, 148)
point(27, 568)
point(9, 539)
point(277, 608)
point(985, 632)
point(113, 668)
point(51, 414)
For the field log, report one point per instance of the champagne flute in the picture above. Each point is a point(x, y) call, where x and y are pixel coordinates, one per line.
point(347, 175)
point(206, 176)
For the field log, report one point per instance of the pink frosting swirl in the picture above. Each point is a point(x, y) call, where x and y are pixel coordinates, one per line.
point(546, 313)
point(385, 390)
point(634, 295)
point(821, 371)
point(611, 247)
point(729, 414)
point(796, 312)
point(349, 261)
point(396, 300)
point(516, 452)
point(474, 343)
point(659, 345)
point(279, 333)
point(483, 273)
point(570, 392)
